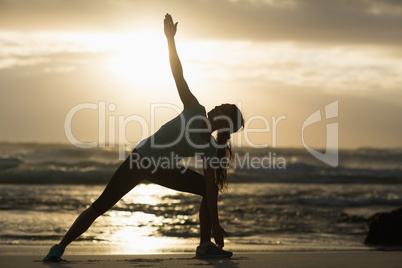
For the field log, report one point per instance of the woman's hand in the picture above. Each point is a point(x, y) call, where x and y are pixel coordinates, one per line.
point(218, 232)
point(170, 27)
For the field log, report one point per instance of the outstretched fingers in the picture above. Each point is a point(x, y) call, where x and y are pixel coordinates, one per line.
point(219, 233)
point(168, 18)
point(225, 234)
point(170, 26)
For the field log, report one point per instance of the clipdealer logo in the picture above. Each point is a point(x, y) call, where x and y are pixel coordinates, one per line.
point(330, 156)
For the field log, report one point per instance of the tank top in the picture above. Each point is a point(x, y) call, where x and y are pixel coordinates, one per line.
point(179, 137)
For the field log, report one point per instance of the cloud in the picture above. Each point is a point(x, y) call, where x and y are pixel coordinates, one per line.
point(332, 22)
point(277, 56)
point(342, 68)
point(388, 7)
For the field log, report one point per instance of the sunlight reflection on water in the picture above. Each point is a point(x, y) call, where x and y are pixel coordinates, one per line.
point(137, 231)
point(150, 194)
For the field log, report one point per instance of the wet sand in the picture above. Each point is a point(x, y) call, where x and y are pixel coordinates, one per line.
point(242, 259)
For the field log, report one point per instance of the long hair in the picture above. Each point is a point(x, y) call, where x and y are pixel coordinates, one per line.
point(224, 149)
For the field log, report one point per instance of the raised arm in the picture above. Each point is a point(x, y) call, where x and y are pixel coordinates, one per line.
point(177, 70)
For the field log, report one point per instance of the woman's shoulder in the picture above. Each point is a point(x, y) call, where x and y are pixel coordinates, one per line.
point(195, 107)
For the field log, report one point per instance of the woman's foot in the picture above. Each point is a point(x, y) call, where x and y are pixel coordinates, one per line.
point(210, 250)
point(54, 254)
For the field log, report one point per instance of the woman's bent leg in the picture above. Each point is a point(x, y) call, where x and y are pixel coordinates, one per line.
point(189, 181)
point(123, 180)
point(179, 179)
point(205, 222)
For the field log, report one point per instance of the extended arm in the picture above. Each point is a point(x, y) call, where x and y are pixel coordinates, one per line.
point(177, 70)
point(212, 201)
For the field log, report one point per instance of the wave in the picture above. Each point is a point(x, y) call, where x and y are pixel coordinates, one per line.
point(306, 173)
point(73, 198)
point(66, 164)
point(6, 163)
point(341, 202)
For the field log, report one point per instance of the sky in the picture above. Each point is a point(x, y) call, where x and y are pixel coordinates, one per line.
point(279, 61)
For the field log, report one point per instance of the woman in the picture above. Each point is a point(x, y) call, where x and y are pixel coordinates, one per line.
point(186, 135)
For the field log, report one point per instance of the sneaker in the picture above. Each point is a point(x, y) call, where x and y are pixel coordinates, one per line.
point(212, 251)
point(55, 254)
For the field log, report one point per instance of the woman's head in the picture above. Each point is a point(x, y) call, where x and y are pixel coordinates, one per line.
point(226, 119)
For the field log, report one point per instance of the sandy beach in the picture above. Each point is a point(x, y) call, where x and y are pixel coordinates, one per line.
point(261, 259)
point(82, 256)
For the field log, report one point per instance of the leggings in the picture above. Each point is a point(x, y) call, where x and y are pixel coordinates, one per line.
point(126, 178)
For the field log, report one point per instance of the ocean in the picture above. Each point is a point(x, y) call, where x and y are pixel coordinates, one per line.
point(287, 201)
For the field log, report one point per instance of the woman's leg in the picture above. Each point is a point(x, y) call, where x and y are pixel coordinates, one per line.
point(189, 181)
point(179, 179)
point(81, 224)
point(205, 222)
point(123, 180)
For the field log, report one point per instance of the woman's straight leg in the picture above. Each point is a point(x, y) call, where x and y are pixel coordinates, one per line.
point(123, 180)
point(80, 225)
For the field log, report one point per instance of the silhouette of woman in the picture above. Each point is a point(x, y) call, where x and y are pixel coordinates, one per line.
point(186, 135)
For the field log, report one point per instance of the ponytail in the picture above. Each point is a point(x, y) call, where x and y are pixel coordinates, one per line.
point(224, 150)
